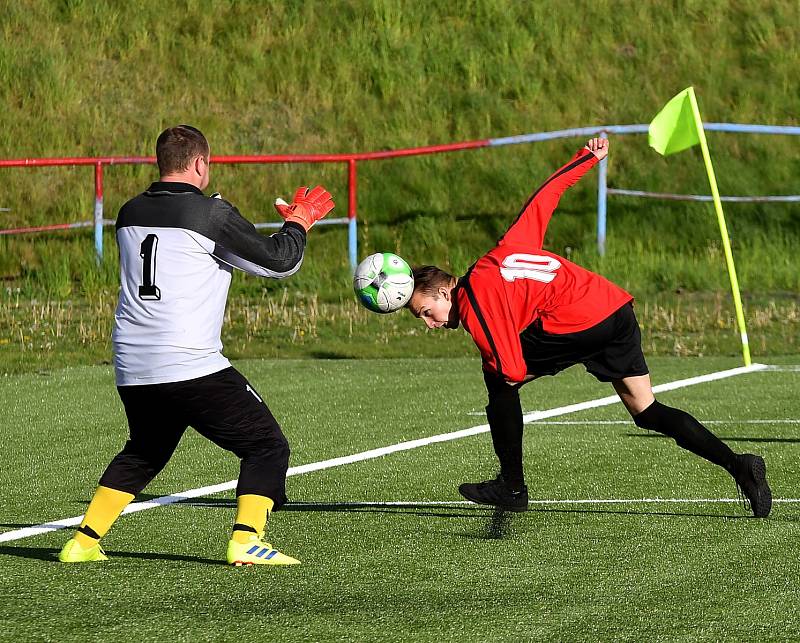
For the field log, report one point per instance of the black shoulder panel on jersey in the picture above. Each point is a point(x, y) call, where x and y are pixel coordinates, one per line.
point(464, 281)
point(187, 210)
point(237, 242)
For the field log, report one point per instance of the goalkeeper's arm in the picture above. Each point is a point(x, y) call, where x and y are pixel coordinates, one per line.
point(279, 255)
point(239, 244)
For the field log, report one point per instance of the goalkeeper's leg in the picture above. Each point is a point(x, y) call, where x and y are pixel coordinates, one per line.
point(153, 439)
point(235, 417)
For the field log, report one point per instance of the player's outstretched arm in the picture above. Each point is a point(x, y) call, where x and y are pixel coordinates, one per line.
point(530, 225)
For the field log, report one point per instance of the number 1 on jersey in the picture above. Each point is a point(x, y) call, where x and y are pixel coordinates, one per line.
point(148, 291)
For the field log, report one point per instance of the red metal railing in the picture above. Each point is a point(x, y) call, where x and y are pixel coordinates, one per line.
point(349, 159)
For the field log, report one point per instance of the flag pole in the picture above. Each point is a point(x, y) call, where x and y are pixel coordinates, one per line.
point(726, 244)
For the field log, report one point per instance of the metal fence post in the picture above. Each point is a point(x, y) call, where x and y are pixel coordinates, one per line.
point(98, 211)
point(601, 203)
point(352, 237)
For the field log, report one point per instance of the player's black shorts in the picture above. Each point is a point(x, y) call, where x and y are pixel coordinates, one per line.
point(609, 350)
point(222, 407)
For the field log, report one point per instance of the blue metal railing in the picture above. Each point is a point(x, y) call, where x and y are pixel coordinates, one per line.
point(603, 191)
point(602, 177)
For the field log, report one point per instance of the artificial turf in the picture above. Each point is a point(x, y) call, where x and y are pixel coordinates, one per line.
point(425, 569)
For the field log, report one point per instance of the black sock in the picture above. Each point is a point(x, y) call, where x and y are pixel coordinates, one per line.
point(687, 432)
point(504, 414)
point(240, 527)
point(88, 531)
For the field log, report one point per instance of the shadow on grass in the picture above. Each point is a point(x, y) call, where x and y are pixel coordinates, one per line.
point(443, 510)
point(499, 519)
point(422, 510)
point(721, 437)
point(499, 522)
point(50, 554)
point(499, 525)
point(330, 355)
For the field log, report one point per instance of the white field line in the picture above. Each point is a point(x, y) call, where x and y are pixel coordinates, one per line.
point(603, 422)
point(26, 532)
point(581, 501)
point(785, 368)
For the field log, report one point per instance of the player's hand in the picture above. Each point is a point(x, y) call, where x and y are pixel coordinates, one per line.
point(598, 147)
point(307, 206)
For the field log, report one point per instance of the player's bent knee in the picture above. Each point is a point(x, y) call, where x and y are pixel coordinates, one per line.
point(652, 416)
point(270, 450)
point(276, 442)
point(661, 418)
point(282, 450)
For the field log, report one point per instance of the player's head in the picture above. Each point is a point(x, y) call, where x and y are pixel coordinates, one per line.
point(432, 299)
point(183, 152)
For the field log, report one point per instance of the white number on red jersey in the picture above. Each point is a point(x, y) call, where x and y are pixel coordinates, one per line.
point(525, 266)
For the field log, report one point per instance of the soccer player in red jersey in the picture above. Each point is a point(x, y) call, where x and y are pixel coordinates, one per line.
point(533, 313)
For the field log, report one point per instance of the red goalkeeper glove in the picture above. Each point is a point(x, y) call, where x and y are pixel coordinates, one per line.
point(307, 206)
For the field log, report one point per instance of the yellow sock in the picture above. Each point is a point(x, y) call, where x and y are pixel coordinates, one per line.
point(252, 512)
point(105, 507)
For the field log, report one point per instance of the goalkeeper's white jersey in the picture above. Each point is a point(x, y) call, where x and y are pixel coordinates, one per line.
point(177, 250)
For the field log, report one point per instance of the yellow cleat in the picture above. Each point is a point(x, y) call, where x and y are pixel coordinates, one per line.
point(256, 552)
point(72, 552)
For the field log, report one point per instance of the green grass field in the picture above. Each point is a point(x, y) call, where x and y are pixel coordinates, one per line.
point(429, 569)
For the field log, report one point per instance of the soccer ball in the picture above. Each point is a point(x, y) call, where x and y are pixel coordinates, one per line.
point(383, 282)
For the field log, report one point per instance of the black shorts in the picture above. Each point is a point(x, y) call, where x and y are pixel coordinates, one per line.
point(222, 407)
point(610, 350)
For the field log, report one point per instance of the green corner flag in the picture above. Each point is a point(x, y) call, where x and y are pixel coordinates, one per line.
point(676, 127)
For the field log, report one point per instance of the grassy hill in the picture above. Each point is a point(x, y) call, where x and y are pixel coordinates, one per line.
point(103, 78)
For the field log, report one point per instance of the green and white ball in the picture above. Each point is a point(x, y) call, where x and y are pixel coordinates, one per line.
point(383, 282)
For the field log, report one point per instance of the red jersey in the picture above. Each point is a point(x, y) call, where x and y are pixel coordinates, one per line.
point(517, 282)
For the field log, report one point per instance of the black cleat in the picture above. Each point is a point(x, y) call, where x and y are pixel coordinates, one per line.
point(751, 478)
point(497, 493)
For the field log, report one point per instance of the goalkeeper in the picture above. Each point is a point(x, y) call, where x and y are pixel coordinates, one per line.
point(533, 313)
point(177, 250)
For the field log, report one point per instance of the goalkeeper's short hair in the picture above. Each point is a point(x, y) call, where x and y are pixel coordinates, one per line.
point(428, 279)
point(177, 146)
